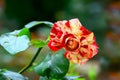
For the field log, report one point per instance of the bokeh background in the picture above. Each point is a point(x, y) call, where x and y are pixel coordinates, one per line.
point(100, 16)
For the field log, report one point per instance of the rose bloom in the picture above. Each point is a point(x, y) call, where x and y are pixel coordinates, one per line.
point(79, 43)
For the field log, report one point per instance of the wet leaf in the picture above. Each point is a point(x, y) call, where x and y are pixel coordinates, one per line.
point(43, 78)
point(9, 75)
point(73, 78)
point(53, 66)
point(44, 67)
point(15, 41)
point(34, 23)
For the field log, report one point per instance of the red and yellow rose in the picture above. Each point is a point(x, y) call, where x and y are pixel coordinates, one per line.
point(79, 43)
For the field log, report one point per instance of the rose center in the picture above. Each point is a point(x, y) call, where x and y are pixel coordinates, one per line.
point(71, 44)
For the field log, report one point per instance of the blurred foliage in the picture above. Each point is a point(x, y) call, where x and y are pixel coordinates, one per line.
point(29, 10)
point(92, 74)
point(100, 16)
point(112, 39)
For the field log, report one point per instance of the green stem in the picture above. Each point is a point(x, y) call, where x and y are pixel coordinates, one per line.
point(31, 62)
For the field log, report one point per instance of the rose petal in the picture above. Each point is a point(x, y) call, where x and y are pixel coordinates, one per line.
point(76, 58)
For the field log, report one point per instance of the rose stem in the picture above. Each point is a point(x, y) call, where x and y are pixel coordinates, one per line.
point(31, 62)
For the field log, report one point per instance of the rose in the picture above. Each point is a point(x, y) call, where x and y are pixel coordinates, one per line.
point(79, 43)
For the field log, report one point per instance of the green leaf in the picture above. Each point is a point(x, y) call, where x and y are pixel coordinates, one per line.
point(9, 75)
point(39, 43)
point(44, 67)
point(59, 66)
point(25, 31)
point(34, 23)
point(72, 70)
point(14, 43)
point(53, 66)
point(73, 78)
point(80, 79)
point(92, 74)
point(43, 78)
